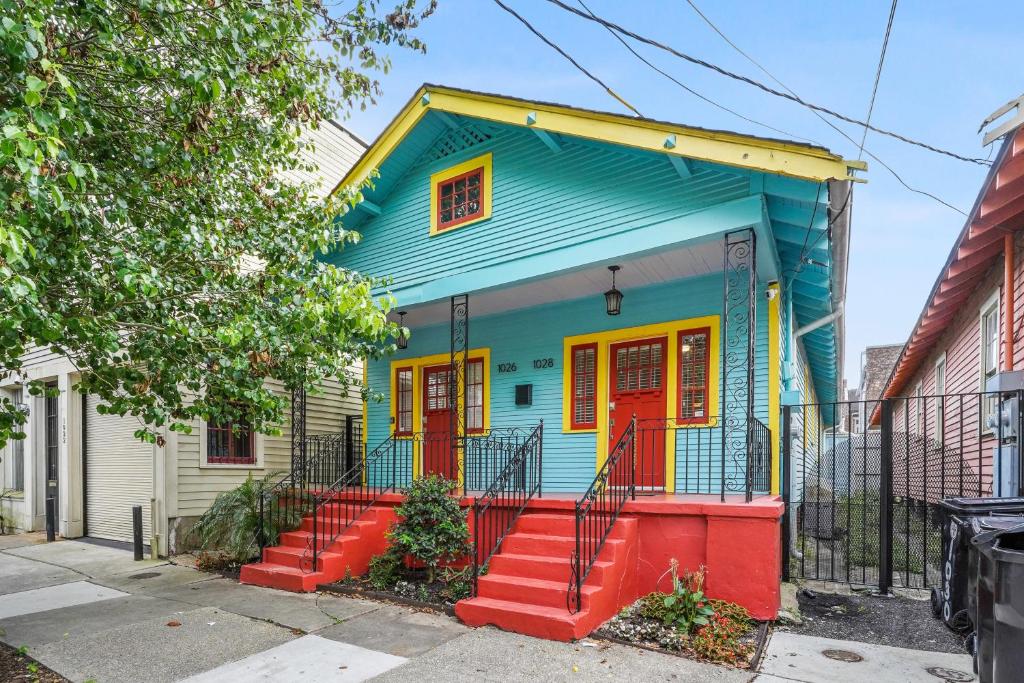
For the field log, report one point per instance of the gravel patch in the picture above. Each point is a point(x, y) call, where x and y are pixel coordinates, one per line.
point(893, 621)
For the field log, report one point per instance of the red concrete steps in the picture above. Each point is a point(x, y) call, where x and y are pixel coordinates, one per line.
point(526, 587)
point(288, 566)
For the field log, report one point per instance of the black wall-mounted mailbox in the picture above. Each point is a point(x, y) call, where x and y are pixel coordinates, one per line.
point(524, 394)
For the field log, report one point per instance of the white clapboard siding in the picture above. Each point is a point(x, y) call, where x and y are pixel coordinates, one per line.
point(119, 475)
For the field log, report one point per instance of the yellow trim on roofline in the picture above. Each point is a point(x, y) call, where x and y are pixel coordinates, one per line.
point(604, 340)
point(732, 149)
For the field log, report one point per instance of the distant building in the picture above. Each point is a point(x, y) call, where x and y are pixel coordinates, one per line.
point(876, 365)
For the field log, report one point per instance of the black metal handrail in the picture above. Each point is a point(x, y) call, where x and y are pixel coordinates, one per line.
point(280, 508)
point(599, 508)
point(337, 506)
point(495, 511)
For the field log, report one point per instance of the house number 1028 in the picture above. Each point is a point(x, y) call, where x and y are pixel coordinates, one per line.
point(541, 363)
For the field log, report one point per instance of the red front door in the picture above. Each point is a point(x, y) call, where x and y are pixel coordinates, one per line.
point(637, 380)
point(437, 425)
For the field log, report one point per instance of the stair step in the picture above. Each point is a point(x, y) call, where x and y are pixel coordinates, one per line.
point(552, 623)
point(299, 558)
point(338, 524)
point(274, 575)
point(548, 567)
point(544, 544)
point(531, 591)
point(552, 524)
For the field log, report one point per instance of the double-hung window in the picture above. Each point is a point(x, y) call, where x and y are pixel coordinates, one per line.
point(403, 401)
point(989, 351)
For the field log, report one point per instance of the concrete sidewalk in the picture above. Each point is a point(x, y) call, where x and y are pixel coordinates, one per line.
point(808, 659)
point(89, 612)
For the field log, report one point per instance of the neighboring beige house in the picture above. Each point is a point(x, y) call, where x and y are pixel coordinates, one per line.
point(96, 469)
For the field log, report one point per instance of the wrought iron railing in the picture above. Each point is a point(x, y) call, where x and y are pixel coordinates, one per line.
point(337, 506)
point(702, 465)
point(280, 508)
point(598, 509)
point(517, 481)
point(759, 458)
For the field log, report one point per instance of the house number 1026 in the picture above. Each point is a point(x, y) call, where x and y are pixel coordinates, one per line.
point(541, 363)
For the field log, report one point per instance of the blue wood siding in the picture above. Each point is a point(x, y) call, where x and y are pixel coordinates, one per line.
point(542, 201)
point(521, 336)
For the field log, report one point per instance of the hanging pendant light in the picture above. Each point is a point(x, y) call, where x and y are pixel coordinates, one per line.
point(613, 297)
point(403, 338)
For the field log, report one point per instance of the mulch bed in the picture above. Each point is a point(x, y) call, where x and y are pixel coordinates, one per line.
point(631, 628)
point(412, 589)
point(894, 621)
point(15, 666)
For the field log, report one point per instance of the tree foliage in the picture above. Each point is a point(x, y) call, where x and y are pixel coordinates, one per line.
point(145, 231)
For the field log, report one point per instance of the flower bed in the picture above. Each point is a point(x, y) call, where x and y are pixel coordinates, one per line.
point(685, 621)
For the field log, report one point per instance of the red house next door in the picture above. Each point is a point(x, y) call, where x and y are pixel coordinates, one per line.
point(637, 380)
point(437, 425)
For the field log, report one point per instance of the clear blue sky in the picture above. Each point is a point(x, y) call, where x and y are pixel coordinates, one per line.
point(948, 66)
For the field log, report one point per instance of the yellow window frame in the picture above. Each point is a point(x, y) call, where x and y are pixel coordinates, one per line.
point(604, 340)
point(484, 161)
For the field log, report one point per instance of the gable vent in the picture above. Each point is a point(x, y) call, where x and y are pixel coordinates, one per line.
point(457, 140)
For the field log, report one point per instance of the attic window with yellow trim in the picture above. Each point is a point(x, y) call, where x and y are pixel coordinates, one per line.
point(460, 195)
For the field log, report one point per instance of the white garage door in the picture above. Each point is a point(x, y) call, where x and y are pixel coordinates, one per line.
point(118, 475)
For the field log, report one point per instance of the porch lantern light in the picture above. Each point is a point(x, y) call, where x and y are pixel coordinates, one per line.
point(403, 339)
point(613, 297)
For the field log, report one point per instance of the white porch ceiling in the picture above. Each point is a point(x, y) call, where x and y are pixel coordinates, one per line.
point(651, 269)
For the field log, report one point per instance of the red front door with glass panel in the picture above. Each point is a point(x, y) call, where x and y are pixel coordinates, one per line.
point(637, 380)
point(437, 425)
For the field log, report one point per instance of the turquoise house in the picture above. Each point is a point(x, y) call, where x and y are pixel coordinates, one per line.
point(603, 316)
point(503, 217)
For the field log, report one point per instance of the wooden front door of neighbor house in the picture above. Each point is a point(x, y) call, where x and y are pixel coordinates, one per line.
point(437, 425)
point(637, 380)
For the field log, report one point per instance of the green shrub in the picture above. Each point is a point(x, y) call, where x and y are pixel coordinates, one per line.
point(431, 527)
point(231, 525)
point(385, 570)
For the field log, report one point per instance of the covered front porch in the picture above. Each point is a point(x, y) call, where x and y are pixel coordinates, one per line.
point(678, 376)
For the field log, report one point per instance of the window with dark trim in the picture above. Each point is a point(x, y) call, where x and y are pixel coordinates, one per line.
point(460, 199)
point(475, 395)
point(403, 401)
point(694, 359)
point(230, 443)
point(584, 386)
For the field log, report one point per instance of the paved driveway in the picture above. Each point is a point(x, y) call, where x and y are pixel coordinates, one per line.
point(89, 612)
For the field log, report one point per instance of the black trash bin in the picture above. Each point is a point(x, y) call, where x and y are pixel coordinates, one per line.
point(998, 605)
point(950, 601)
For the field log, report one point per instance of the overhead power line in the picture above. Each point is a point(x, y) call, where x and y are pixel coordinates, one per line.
point(757, 84)
point(831, 125)
point(691, 90)
point(566, 55)
point(878, 77)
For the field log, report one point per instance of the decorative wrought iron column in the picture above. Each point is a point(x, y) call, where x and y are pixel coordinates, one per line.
point(458, 378)
point(738, 329)
point(299, 436)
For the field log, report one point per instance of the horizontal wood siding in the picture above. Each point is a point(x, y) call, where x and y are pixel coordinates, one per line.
point(325, 414)
point(521, 336)
point(542, 201)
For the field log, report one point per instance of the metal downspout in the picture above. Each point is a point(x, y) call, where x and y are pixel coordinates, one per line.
point(1008, 301)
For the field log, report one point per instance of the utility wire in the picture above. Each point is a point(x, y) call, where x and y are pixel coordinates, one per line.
point(834, 127)
point(691, 90)
point(757, 84)
point(878, 76)
point(566, 55)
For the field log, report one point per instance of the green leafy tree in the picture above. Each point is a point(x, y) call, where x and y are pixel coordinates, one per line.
point(145, 231)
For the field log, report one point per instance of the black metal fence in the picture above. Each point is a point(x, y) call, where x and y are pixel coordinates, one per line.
point(863, 481)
